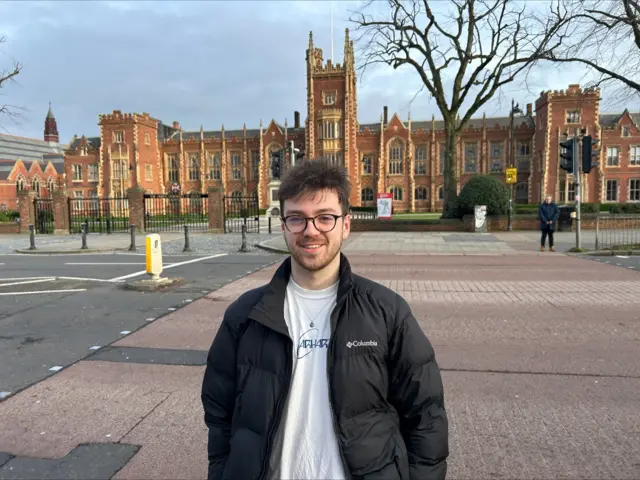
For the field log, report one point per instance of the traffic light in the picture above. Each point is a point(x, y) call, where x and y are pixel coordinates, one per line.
point(588, 152)
point(566, 155)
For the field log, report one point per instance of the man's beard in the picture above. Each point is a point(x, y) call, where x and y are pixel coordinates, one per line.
point(314, 261)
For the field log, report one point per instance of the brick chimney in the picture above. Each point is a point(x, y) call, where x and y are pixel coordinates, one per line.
point(386, 114)
point(529, 109)
point(296, 119)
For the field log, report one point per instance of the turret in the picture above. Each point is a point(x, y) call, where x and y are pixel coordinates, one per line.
point(51, 128)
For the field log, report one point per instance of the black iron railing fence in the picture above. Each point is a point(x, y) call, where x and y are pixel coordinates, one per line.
point(43, 208)
point(101, 215)
point(169, 212)
point(240, 211)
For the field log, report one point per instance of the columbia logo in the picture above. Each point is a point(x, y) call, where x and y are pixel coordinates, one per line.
point(360, 343)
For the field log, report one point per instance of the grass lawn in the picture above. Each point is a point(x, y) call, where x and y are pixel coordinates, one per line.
point(416, 216)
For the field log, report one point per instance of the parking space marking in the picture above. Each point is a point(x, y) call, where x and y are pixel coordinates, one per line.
point(71, 290)
point(167, 267)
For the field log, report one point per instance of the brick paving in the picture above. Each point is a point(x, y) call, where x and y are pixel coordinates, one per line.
point(539, 356)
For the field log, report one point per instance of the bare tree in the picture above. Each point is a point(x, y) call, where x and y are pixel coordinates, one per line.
point(476, 45)
point(606, 38)
point(8, 75)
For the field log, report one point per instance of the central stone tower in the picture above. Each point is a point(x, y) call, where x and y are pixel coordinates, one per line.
point(332, 118)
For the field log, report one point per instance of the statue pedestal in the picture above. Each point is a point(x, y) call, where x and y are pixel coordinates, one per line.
point(274, 205)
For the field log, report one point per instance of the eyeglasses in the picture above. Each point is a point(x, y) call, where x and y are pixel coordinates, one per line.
point(324, 222)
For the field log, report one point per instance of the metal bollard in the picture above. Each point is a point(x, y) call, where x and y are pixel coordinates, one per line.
point(186, 239)
point(132, 230)
point(243, 248)
point(84, 227)
point(269, 225)
point(32, 237)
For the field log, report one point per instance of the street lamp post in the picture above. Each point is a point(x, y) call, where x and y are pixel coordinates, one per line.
point(515, 108)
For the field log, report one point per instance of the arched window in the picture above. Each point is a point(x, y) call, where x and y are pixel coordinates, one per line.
point(395, 157)
point(441, 192)
point(35, 186)
point(236, 196)
point(421, 193)
point(20, 184)
point(366, 195)
point(51, 185)
point(522, 192)
point(397, 193)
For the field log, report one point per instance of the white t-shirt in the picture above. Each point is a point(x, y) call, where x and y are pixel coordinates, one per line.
point(310, 447)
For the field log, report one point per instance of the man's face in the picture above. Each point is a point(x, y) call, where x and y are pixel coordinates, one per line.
point(314, 247)
point(547, 199)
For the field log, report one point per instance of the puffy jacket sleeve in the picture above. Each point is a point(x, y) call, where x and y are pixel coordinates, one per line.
point(542, 213)
point(417, 394)
point(218, 396)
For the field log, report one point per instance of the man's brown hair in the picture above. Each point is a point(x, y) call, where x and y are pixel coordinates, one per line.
point(312, 176)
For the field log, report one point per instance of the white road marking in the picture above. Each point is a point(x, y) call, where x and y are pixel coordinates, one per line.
point(24, 282)
point(96, 263)
point(167, 267)
point(21, 278)
point(5, 294)
point(621, 256)
point(149, 319)
point(95, 347)
point(84, 279)
point(4, 395)
point(125, 332)
point(56, 368)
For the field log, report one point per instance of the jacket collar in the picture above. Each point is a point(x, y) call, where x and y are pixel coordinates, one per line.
point(270, 308)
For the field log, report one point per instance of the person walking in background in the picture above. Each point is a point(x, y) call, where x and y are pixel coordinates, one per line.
point(548, 213)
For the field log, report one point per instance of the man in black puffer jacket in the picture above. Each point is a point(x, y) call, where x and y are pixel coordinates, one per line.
point(322, 374)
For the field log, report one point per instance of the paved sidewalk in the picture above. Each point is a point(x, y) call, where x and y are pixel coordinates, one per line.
point(432, 243)
point(172, 243)
point(539, 357)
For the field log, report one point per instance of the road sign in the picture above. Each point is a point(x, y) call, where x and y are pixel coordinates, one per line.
point(385, 202)
point(512, 175)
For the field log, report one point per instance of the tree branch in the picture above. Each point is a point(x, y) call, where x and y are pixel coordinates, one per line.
point(486, 45)
point(607, 40)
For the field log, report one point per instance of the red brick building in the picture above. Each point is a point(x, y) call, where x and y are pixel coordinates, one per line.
point(30, 164)
point(402, 156)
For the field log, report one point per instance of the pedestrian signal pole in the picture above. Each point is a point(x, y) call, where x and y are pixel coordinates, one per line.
point(576, 175)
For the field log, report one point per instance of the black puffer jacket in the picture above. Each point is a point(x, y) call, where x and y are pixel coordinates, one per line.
point(386, 394)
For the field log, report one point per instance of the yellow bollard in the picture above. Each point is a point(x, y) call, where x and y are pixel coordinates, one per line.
point(154, 256)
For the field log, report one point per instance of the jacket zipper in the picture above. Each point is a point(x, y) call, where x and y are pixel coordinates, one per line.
point(333, 414)
point(279, 407)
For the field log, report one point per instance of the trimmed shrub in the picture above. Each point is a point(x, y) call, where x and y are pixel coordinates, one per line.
point(484, 190)
point(9, 216)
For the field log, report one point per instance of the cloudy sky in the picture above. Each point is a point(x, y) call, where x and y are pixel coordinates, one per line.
point(201, 63)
